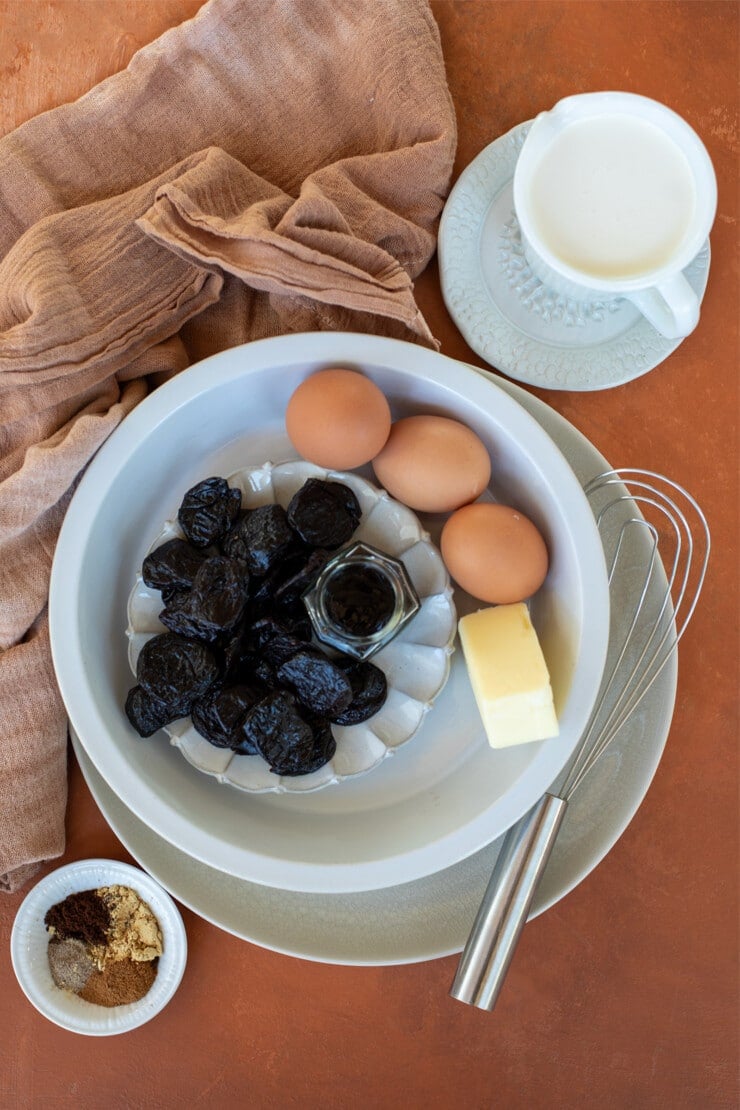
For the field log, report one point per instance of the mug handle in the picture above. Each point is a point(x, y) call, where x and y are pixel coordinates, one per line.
point(671, 306)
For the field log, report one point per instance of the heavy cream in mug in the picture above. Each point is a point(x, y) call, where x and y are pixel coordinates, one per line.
point(615, 194)
point(612, 197)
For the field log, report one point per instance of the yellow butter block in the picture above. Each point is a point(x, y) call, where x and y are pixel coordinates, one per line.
point(509, 675)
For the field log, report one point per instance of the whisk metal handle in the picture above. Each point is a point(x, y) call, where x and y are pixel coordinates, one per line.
point(503, 912)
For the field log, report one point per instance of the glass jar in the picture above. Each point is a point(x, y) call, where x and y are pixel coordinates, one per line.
point(361, 600)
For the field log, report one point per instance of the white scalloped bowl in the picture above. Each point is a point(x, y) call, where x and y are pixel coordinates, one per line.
point(416, 663)
point(445, 794)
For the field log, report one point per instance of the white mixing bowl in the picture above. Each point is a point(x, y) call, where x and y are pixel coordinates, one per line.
point(442, 796)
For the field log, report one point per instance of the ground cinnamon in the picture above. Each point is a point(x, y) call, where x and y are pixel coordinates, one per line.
point(120, 983)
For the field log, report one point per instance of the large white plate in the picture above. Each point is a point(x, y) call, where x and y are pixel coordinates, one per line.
point(445, 794)
point(431, 917)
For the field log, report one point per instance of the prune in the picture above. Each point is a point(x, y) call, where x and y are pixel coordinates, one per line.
point(233, 543)
point(175, 615)
point(369, 691)
point(276, 729)
point(219, 715)
point(264, 672)
point(264, 591)
point(243, 746)
point(260, 538)
point(146, 713)
point(175, 671)
point(174, 564)
point(346, 496)
point(284, 739)
point(214, 606)
point(295, 621)
point(273, 642)
point(317, 682)
point(323, 749)
point(176, 594)
point(292, 588)
point(324, 514)
point(229, 649)
point(208, 510)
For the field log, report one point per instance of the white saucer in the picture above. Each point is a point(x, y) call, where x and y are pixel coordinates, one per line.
point(508, 317)
point(432, 916)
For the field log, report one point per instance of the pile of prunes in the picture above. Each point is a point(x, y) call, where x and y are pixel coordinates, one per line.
point(238, 656)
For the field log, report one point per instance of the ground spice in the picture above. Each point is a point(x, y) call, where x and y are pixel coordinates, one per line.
point(134, 932)
point(70, 963)
point(83, 915)
point(121, 983)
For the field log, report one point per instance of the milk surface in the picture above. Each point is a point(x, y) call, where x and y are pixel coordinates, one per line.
point(612, 197)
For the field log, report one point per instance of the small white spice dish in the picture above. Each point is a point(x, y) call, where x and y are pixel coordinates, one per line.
point(29, 942)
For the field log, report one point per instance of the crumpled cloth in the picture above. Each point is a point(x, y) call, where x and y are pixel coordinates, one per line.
point(269, 166)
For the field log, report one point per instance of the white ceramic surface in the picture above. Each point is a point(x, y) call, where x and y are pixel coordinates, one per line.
point(416, 664)
point(443, 796)
point(430, 917)
point(506, 314)
point(29, 943)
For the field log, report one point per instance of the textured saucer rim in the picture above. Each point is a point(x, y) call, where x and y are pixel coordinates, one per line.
point(485, 326)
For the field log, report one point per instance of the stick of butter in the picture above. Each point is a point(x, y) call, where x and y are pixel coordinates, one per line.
point(509, 675)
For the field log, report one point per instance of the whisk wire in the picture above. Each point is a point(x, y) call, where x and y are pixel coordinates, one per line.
point(609, 726)
point(661, 630)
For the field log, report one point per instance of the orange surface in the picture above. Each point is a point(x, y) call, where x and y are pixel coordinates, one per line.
point(624, 994)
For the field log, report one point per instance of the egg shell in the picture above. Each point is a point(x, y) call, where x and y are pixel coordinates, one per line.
point(433, 464)
point(338, 418)
point(494, 553)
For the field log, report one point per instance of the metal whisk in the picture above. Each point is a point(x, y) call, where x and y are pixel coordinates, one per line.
point(656, 543)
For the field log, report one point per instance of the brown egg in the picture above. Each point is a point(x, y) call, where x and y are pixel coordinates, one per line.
point(338, 419)
point(433, 464)
point(494, 552)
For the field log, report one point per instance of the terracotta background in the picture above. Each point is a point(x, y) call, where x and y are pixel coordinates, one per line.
point(625, 993)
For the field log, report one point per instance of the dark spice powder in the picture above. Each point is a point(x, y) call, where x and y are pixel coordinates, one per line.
point(83, 916)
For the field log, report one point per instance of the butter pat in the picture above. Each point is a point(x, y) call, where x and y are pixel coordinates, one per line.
point(509, 675)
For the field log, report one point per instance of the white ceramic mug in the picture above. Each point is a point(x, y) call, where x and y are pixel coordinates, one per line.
point(615, 194)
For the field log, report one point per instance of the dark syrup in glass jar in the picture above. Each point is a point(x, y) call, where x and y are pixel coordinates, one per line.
point(361, 600)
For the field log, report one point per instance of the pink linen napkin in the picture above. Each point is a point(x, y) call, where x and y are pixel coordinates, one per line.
point(269, 166)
